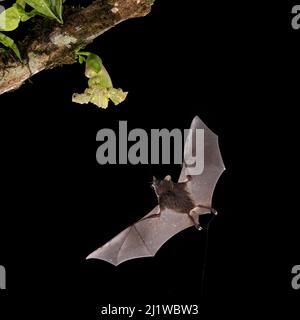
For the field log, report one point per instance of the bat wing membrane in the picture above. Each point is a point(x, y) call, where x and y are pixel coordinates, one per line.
point(144, 238)
point(202, 186)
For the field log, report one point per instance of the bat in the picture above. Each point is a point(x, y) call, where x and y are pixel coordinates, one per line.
point(179, 204)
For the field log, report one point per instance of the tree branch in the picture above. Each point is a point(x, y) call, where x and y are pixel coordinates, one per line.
point(56, 44)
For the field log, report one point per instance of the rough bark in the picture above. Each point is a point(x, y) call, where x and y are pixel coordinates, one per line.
point(55, 44)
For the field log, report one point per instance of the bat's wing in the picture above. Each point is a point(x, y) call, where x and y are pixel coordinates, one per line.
point(145, 237)
point(202, 185)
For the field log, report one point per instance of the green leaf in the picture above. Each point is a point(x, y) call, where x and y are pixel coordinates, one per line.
point(9, 19)
point(9, 42)
point(81, 59)
point(49, 8)
point(81, 56)
point(21, 3)
point(57, 8)
point(82, 53)
point(24, 16)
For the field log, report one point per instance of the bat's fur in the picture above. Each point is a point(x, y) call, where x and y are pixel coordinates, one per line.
point(175, 196)
point(172, 195)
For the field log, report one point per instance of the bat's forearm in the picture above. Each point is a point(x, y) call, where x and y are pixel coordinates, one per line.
point(155, 215)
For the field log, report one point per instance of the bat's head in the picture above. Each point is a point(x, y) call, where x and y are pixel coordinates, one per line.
point(162, 186)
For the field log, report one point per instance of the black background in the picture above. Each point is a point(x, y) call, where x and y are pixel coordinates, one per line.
point(215, 60)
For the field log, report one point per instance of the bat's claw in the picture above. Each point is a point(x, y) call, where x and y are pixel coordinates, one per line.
point(198, 227)
point(214, 211)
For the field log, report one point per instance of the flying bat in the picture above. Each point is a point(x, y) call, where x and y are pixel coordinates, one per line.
point(179, 204)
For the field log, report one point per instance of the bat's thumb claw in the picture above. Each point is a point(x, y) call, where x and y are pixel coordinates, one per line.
point(198, 227)
point(214, 211)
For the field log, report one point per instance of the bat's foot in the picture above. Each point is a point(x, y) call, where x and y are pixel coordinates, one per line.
point(198, 227)
point(188, 178)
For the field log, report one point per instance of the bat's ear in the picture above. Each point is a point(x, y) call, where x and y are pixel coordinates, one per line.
point(154, 179)
point(168, 178)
